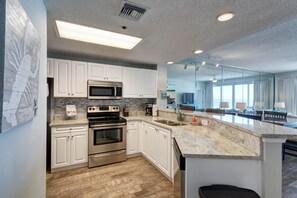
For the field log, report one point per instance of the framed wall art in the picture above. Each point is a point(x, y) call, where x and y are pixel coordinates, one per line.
point(20, 70)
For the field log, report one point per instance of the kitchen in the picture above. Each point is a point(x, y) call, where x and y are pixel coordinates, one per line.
point(68, 66)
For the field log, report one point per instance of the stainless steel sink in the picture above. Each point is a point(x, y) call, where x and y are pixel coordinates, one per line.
point(170, 123)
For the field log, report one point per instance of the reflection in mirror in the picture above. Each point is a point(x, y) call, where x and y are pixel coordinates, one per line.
point(218, 86)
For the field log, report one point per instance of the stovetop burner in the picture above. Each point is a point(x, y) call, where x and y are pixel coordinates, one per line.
point(101, 115)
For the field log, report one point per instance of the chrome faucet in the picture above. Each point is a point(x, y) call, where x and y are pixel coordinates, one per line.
point(180, 115)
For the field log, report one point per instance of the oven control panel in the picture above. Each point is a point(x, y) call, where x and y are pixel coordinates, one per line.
point(103, 108)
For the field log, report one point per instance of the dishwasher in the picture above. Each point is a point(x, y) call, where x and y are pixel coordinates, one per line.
point(179, 175)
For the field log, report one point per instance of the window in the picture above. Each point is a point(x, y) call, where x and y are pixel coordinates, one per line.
point(227, 95)
point(216, 97)
point(241, 93)
point(233, 94)
point(251, 95)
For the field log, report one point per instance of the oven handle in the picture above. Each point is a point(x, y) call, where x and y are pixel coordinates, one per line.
point(107, 154)
point(98, 127)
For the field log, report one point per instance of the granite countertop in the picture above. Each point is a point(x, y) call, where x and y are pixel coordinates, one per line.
point(69, 122)
point(152, 120)
point(254, 127)
point(201, 141)
point(59, 120)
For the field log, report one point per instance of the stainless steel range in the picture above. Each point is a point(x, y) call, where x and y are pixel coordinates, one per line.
point(107, 135)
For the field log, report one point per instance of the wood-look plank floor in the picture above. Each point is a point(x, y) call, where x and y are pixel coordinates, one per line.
point(135, 177)
point(290, 177)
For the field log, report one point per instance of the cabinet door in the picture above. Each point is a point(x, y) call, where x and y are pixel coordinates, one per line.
point(164, 153)
point(62, 78)
point(145, 139)
point(79, 147)
point(79, 79)
point(131, 83)
point(148, 81)
point(132, 138)
point(96, 71)
point(153, 144)
point(114, 73)
point(60, 150)
point(50, 68)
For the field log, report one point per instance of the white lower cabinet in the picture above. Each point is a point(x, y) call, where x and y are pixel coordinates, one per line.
point(157, 147)
point(69, 145)
point(132, 137)
point(153, 142)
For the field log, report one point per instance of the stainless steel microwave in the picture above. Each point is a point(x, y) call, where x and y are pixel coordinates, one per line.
point(104, 90)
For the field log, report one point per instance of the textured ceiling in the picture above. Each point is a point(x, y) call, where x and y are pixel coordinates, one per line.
point(172, 29)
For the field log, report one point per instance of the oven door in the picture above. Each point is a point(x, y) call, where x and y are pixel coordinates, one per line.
point(105, 139)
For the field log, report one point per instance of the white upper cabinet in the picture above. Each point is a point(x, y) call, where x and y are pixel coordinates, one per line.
point(104, 72)
point(62, 78)
point(131, 88)
point(70, 78)
point(148, 80)
point(50, 68)
point(139, 83)
point(79, 79)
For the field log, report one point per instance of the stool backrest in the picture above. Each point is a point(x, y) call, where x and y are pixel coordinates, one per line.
point(275, 116)
point(219, 111)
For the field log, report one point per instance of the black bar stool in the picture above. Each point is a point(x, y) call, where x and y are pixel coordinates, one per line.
point(226, 191)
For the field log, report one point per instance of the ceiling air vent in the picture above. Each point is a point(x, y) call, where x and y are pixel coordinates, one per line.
point(132, 11)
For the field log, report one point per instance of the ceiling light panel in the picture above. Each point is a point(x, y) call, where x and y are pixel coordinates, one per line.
point(169, 62)
point(97, 36)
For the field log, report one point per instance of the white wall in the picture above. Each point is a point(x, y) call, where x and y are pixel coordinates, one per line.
point(22, 150)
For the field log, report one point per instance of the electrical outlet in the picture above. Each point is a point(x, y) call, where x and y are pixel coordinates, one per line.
point(204, 122)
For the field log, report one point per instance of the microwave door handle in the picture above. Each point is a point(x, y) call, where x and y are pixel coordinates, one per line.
point(115, 91)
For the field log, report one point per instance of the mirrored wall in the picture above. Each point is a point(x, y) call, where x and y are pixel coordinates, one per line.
point(218, 86)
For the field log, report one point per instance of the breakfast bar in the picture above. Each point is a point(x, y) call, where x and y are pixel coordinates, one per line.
point(232, 150)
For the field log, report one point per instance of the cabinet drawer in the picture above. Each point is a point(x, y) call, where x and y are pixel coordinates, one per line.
point(131, 125)
point(67, 129)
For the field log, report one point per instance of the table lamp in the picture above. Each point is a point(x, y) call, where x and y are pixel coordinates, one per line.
point(224, 105)
point(280, 106)
point(240, 105)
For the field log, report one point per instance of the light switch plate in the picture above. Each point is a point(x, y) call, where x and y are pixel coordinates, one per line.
point(204, 122)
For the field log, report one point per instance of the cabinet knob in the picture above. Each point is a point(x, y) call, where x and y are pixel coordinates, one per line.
point(71, 136)
point(68, 94)
point(73, 94)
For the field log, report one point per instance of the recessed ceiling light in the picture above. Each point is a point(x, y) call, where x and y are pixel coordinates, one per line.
point(217, 65)
point(198, 51)
point(96, 36)
point(169, 62)
point(203, 63)
point(225, 16)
